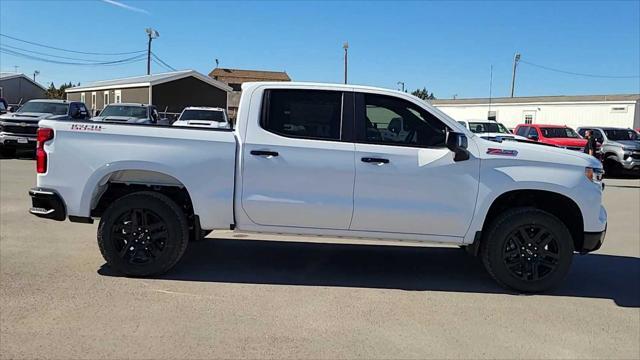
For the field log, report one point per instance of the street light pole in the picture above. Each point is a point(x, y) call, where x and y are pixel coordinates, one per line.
point(152, 35)
point(35, 73)
point(516, 58)
point(345, 46)
point(401, 83)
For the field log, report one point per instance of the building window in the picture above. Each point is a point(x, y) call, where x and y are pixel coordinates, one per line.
point(93, 101)
point(236, 87)
point(492, 115)
point(618, 109)
point(528, 119)
point(83, 97)
point(106, 98)
point(117, 96)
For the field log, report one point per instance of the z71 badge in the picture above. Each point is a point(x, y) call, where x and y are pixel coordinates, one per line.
point(503, 152)
point(86, 127)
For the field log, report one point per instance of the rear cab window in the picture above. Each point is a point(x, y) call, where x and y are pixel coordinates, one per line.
point(307, 114)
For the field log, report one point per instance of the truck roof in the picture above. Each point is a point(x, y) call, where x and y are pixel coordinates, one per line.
point(129, 104)
point(204, 108)
point(56, 101)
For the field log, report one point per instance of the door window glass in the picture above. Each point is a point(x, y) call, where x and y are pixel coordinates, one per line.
point(522, 131)
point(533, 132)
point(394, 121)
point(314, 114)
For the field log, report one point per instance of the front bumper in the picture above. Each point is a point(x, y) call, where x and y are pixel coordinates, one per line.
point(633, 164)
point(592, 241)
point(47, 204)
point(17, 140)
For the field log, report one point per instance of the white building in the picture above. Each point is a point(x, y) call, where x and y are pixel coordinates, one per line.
point(573, 111)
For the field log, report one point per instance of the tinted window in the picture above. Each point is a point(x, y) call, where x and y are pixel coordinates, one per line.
point(487, 127)
point(582, 131)
point(559, 133)
point(522, 130)
point(394, 121)
point(125, 110)
point(45, 107)
point(533, 132)
point(209, 115)
point(303, 113)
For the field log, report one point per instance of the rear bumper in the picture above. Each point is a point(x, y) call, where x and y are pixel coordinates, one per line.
point(592, 241)
point(47, 204)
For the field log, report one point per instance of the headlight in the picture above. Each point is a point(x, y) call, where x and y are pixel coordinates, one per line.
point(594, 175)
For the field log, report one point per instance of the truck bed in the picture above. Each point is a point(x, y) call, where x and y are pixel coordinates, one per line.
point(84, 156)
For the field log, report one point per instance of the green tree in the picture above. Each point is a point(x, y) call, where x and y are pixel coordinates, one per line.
point(58, 93)
point(423, 94)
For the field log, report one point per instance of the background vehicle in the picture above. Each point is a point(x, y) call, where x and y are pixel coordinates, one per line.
point(203, 117)
point(306, 159)
point(490, 130)
point(620, 148)
point(4, 107)
point(131, 113)
point(18, 129)
point(558, 135)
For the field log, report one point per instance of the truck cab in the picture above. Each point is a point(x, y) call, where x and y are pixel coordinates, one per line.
point(557, 135)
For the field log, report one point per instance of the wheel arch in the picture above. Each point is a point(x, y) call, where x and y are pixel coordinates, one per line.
point(559, 205)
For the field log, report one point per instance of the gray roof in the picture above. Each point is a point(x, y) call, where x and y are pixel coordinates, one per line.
point(148, 80)
point(538, 99)
point(10, 75)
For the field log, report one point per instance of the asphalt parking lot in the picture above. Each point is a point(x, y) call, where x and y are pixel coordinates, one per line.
point(247, 296)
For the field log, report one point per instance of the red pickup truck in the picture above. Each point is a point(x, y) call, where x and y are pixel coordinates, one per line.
point(558, 135)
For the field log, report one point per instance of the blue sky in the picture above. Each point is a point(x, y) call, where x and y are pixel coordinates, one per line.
point(447, 47)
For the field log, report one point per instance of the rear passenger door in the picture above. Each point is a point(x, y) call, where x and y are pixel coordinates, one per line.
point(298, 164)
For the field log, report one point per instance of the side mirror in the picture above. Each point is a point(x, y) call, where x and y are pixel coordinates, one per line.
point(75, 113)
point(457, 143)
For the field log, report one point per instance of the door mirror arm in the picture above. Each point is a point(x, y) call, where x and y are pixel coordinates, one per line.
point(457, 143)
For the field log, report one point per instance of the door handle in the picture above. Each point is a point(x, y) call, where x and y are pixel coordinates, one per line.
point(375, 160)
point(264, 153)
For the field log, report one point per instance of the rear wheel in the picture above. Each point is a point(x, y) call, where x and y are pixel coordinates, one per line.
point(528, 250)
point(143, 234)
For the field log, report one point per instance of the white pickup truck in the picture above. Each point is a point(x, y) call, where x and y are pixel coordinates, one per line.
point(310, 159)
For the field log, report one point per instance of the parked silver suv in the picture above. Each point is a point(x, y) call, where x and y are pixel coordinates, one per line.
point(620, 148)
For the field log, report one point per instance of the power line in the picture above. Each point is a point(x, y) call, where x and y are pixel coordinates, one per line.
point(164, 63)
point(51, 55)
point(38, 58)
point(71, 51)
point(580, 74)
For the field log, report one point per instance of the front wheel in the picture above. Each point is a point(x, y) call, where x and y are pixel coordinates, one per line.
point(528, 250)
point(143, 234)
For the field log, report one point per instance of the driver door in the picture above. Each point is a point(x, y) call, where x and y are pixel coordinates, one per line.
point(406, 179)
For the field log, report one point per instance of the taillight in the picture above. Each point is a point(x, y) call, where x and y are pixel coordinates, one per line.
point(44, 135)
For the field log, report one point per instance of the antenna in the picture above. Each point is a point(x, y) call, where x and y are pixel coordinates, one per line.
point(490, 89)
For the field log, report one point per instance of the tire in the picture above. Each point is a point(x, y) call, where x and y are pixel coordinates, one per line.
point(612, 167)
point(8, 152)
point(143, 234)
point(543, 258)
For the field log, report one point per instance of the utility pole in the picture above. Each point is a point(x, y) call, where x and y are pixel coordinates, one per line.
point(15, 67)
point(401, 83)
point(516, 58)
point(152, 35)
point(35, 73)
point(490, 89)
point(345, 46)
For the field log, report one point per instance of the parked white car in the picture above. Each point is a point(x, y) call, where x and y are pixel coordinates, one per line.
point(490, 130)
point(210, 117)
point(307, 159)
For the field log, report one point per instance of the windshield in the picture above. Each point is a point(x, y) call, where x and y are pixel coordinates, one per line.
point(620, 134)
point(487, 127)
point(209, 115)
point(139, 112)
point(559, 133)
point(44, 107)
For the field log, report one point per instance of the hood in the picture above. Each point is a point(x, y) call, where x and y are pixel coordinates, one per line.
point(632, 144)
point(533, 151)
point(120, 119)
point(29, 116)
point(495, 136)
point(566, 141)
